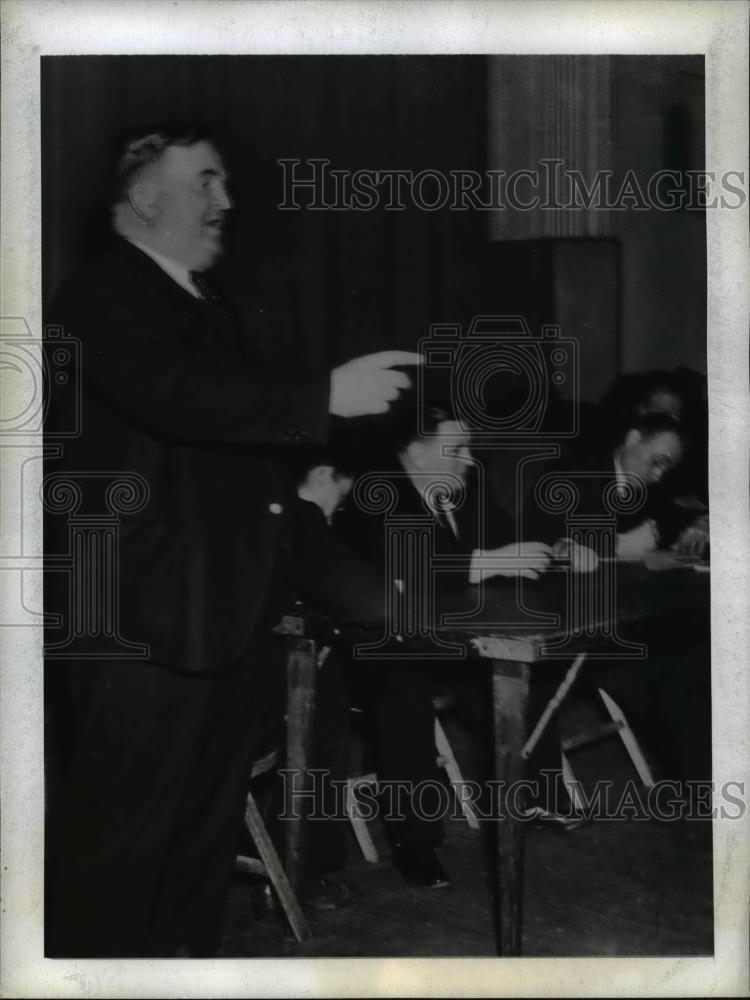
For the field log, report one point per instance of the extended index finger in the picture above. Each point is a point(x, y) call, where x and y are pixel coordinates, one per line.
point(387, 359)
point(399, 380)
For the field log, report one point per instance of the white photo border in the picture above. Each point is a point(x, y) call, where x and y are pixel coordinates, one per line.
point(717, 29)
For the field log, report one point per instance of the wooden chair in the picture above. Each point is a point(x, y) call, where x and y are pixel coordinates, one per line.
point(269, 865)
point(446, 759)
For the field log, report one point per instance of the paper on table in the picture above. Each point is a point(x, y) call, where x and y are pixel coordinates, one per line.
point(666, 559)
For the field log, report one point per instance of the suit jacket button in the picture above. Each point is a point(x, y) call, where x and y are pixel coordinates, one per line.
point(275, 508)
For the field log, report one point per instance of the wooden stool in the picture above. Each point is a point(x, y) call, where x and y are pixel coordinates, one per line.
point(446, 759)
point(269, 864)
point(619, 724)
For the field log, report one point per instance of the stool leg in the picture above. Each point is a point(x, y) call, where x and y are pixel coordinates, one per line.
point(571, 783)
point(447, 760)
point(628, 738)
point(359, 825)
point(301, 667)
point(275, 870)
point(553, 704)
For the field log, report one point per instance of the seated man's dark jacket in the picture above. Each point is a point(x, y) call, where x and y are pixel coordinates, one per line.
point(175, 391)
point(330, 576)
point(479, 525)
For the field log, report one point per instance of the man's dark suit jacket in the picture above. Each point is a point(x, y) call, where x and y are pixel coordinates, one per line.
point(176, 392)
point(330, 576)
point(479, 525)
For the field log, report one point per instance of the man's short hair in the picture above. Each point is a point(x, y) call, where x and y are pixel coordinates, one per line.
point(650, 424)
point(338, 455)
point(141, 147)
point(411, 424)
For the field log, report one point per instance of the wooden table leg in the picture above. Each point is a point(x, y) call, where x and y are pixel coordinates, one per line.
point(301, 666)
point(510, 691)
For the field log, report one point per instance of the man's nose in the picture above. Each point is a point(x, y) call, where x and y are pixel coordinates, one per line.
point(222, 199)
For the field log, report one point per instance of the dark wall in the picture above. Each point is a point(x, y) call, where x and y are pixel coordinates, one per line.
point(332, 283)
point(660, 125)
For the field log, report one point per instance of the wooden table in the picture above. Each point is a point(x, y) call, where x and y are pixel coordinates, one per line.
point(519, 626)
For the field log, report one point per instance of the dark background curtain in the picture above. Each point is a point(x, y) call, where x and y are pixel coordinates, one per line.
point(326, 285)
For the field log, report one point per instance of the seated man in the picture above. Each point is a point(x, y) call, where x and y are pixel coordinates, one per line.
point(640, 456)
point(681, 395)
point(668, 697)
point(324, 482)
point(425, 480)
point(686, 490)
point(326, 575)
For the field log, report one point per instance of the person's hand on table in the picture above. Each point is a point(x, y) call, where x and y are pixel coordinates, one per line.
point(636, 543)
point(368, 385)
point(582, 559)
point(694, 539)
point(528, 559)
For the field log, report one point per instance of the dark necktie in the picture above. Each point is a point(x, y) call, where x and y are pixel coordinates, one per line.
point(224, 318)
point(446, 523)
point(204, 288)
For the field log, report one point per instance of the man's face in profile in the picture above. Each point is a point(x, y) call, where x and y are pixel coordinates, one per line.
point(191, 200)
point(446, 453)
point(651, 457)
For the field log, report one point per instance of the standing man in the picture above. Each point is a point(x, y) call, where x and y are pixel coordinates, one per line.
point(142, 828)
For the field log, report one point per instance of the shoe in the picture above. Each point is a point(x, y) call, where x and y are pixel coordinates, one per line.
point(263, 900)
point(544, 819)
point(419, 866)
point(328, 892)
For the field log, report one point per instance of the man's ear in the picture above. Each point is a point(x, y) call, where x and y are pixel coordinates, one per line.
point(633, 437)
point(143, 198)
point(414, 454)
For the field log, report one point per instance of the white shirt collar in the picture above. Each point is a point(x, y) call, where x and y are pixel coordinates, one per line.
point(445, 510)
point(620, 477)
point(178, 272)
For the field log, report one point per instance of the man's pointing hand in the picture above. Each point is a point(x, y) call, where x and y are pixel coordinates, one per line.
point(368, 385)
